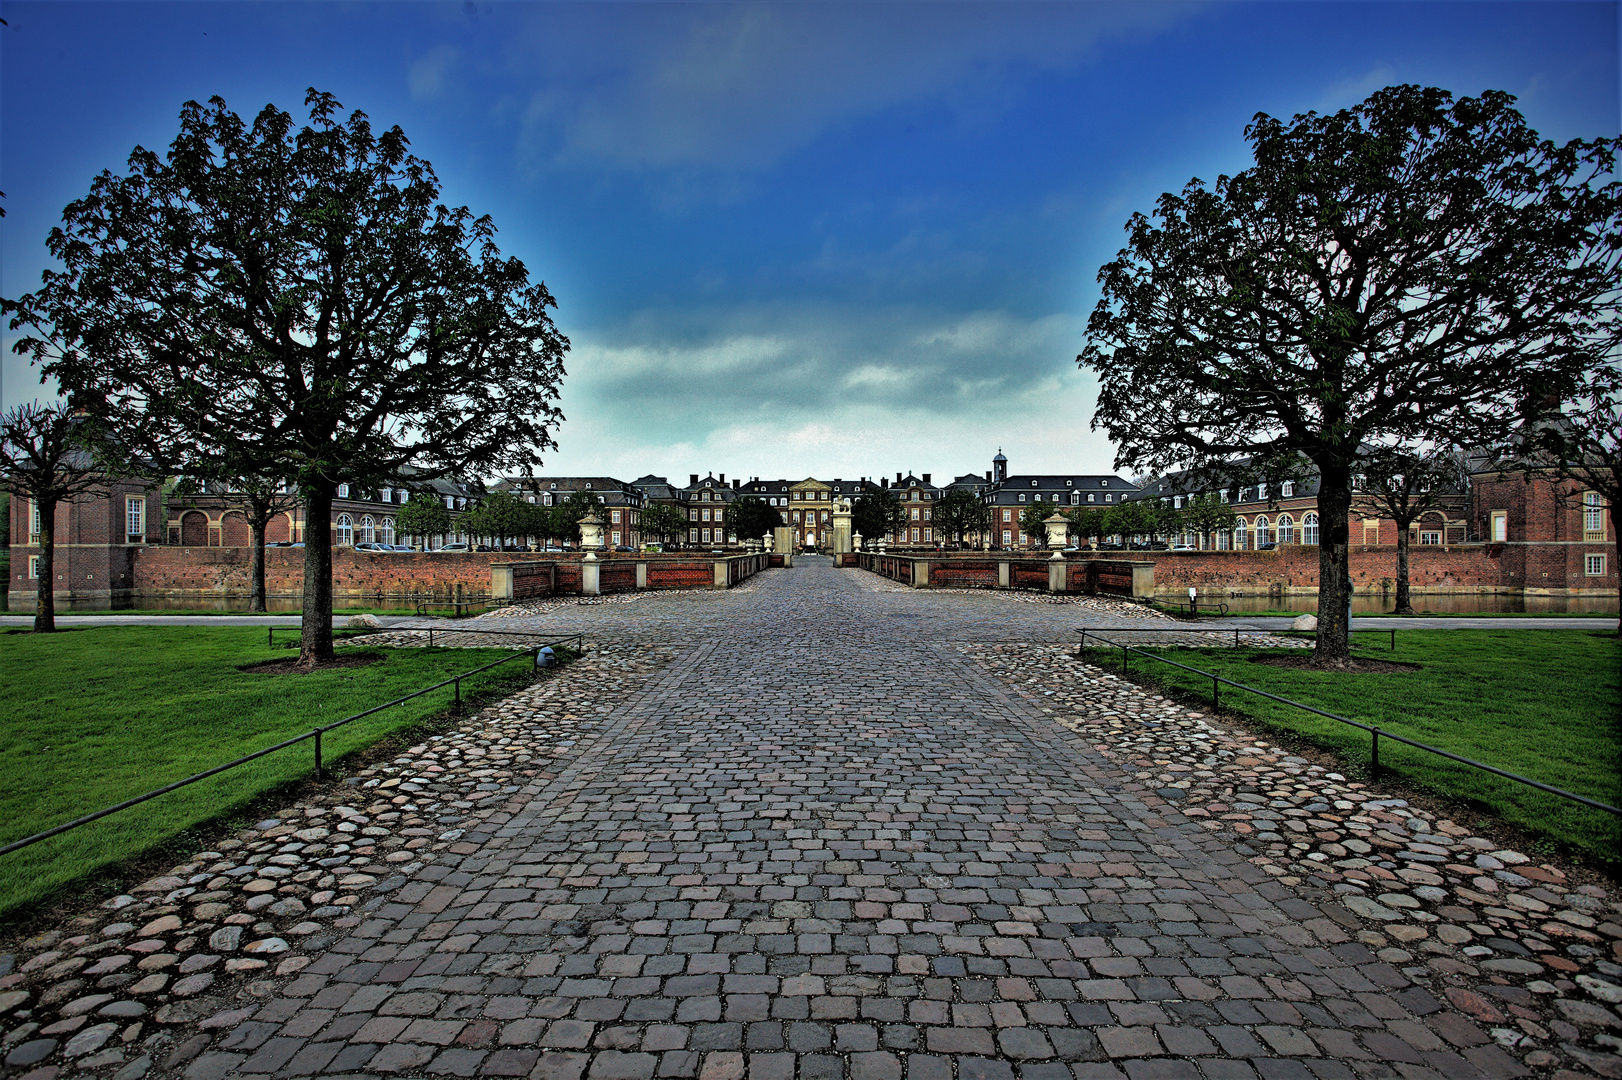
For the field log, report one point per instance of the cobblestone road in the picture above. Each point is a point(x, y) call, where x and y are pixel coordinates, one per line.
point(804, 835)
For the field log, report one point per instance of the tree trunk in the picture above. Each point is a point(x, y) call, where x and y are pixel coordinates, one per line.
point(256, 586)
point(45, 596)
point(1404, 601)
point(315, 643)
point(1334, 646)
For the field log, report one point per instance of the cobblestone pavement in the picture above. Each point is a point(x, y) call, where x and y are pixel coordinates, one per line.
point(822, 827)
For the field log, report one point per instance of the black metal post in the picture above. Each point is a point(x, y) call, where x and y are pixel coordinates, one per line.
point(1375, 754)
point(458, 706)
point(1393, 641)
point(270, 637)
point(1216, 701)
point(318, 755)
point(1123, 659)
point(430, 637)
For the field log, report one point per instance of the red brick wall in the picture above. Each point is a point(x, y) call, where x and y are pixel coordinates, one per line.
point(616, 577)
point(682, 575)
point(1296, 567)
point(963, 574)
point(1546, 546)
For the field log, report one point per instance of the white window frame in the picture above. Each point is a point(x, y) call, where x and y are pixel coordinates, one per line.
point(1593, 566)
point(33, 567)
point(1593, 513)
point(1498, 527)
point(1430, 538)
point(1287, 490)
point(346, 531)
point(134, 518)
point(1309, 529)
point(385, 531)
point(368, 530)
point(1286, 524)
point(343, 491)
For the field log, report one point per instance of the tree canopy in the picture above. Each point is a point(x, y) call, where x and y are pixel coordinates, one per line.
point(960, 513)
point(1402, 483)
point(46, 457)
point(876, 513)
point(748, 517)
point(300, 289)
point(422, 516)
point(1411, 268)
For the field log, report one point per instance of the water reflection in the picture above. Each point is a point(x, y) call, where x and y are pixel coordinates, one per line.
point(1446, 604)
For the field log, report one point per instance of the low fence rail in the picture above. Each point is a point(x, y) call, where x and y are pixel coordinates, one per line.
point(455, 681)
point(1376, 733)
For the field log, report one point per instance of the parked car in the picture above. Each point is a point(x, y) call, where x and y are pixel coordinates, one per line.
point(374, 547)
point(1183, 547)
point(1266, 547)
point(455, 547)
point(484, 547)
point(625, 547)
point(404, 547)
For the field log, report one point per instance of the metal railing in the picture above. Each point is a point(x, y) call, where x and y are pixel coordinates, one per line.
point(455, 681)
point(1376, 733)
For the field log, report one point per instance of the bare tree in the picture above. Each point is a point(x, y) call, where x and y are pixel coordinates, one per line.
point(1403, 483)
point(45, 458)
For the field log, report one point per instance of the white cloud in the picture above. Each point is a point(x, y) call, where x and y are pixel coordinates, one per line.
point(834, 391)
point(429, 74)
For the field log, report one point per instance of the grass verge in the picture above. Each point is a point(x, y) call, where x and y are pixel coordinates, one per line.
point(1546, 705)
point(106, 713)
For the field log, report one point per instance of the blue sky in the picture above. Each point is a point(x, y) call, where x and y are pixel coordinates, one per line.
point(786, 239)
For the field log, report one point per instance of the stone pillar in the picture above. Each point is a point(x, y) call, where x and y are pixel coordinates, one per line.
point(1004, 574)
point(642, 575)
point(591, 576)
point(1057, 569)
point(841, 529)
point(720, 574)
point(920, 573)
point(501, 581)
point(1143, 579)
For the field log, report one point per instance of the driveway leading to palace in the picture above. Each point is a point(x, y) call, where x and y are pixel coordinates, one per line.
point(814, 839)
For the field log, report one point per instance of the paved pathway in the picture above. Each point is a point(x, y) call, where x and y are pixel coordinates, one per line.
point(815, 840)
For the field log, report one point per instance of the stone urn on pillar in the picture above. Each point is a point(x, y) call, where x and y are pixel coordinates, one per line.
point(591, 535)
point(766, 542)
point(1058, 527)
point(856, 541)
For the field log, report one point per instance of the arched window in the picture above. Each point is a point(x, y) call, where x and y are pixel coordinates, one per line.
point(1263, 531)
point(1309, 529)
point(385, 531)
point(1239, 533)
point(1224, 539)
point(1286, 529)
point(346, 531)
point(366, 529)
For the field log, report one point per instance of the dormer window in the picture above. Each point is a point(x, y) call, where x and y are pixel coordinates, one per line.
point(1288, 489)
point(1103, 483)
point(343, 491)
point(1069, 483)
point(588, 485)
point(1033, 483)
point(554, 487)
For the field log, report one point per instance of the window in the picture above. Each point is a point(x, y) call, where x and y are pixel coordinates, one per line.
point(616, 539)
point(1007, 537)
point(1177, 502)
point(450, 503)
point(1430, 538)
point(1103, 483)
point(1092, 497)
point(706, 535)
point(1022, 496)
point(915, 513)
point(915, 536)
point(692, 535)
point(1263, 535)
point(1069, 483)
point(346, 531)
point(134, 520)
point(1500, 527)
point(1261, 492)
point(1239, 534)
point(1109, 498)
point(366, 529)
point(1288, 489)
point(1593, 514)
point(927, 537)
point(692, 515)
point(385, 531)
point(1309, 529)
point(343, 491)
point(614, 517)
point(1593, 565)
point(33, 528)
point(1286, 529)
point(33, 567)
point(1008, 515)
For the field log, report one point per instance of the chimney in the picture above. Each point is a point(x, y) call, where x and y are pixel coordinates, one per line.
point(988, 476)
point(723, 479)
point(692, 479)
point(898, 479)
point(926, 478)
point(735, 483)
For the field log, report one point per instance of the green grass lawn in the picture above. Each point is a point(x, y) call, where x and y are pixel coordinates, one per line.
point(98, 715)
point(1546, 705)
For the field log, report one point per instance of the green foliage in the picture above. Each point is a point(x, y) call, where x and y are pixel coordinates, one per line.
point(1483, 694)
point(565, 517)
point(1168, 520)
point(1130, 519)
point(1031, 521)
point(302, 292)
point(1208, 514)
point(116, 711)
point(422, 516)
point(959, 514)
point(748, 517)
point(1414, 268)
point(664, 522)
point(1088, 522)
point(875, 513)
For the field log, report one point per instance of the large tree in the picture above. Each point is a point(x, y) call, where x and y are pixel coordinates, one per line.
point(665, 522)
point(960, 513)
point(1033, 519)
point(1402, 483)
point(303, 290)
point(1408, 269)
point(748, 517)
point(46, 457)
point(876, 513)
point(424, 514)
point(1209, 514)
